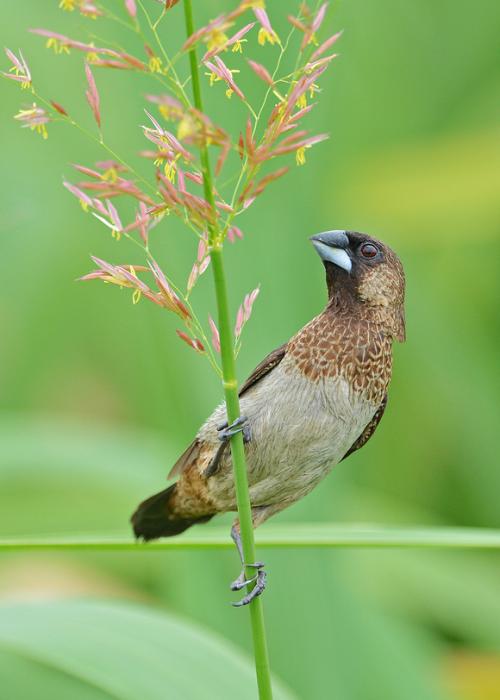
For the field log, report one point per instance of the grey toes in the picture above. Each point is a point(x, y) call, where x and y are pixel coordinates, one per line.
point(239, 425)
point(257, 590)
point(241, 582)
point(259, 579)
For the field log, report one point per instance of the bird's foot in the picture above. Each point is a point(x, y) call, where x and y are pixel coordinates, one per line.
point(259, 579)
point(240, 425)
point(226, 432)
point(242, 581)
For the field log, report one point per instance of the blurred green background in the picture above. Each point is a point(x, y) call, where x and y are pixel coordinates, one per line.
point(98, 397)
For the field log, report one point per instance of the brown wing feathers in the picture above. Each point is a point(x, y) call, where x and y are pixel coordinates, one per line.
point(268, 363)
point(369, 430)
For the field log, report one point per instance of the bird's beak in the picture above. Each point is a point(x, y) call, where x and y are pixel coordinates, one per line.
point(331, 246)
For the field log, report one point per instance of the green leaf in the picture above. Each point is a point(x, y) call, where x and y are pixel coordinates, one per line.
point(90, 650)
point(26, 678)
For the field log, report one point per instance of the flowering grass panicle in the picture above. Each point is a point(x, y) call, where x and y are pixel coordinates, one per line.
point(272, 62)
point(19, 70)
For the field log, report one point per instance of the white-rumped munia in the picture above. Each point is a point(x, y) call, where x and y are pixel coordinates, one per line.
point(307, 406)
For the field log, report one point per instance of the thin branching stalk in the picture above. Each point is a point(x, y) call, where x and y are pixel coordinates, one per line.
point(230, 385)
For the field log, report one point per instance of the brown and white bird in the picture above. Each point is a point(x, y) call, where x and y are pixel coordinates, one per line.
point(307, 406)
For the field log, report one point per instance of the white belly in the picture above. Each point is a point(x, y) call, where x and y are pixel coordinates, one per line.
point(299, 431)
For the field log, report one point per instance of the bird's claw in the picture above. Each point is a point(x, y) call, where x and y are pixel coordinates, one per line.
point(259, 579)
point(226, 431)
point(242, 580)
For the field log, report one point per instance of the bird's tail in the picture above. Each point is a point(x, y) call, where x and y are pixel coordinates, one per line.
point(155, 517)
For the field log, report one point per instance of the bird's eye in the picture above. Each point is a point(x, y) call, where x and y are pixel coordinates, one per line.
point(368, 250)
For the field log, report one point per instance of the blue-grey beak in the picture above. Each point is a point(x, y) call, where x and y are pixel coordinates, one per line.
point(331, 246)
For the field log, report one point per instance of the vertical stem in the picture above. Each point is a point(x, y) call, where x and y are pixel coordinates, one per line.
point(230, 385)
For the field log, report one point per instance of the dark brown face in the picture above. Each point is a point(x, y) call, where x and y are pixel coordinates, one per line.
point(366, 270)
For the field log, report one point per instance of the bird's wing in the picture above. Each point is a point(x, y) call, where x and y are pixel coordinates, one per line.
point(267, 364)
point(186, 458)
point(369, 430)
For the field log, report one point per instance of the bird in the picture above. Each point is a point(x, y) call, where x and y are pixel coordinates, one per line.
point(308, 405)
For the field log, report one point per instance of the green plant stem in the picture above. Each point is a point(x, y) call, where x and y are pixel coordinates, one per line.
point(230, 385)
point(294, 536)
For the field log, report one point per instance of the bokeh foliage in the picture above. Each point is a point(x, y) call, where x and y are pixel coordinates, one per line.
point(98, 397)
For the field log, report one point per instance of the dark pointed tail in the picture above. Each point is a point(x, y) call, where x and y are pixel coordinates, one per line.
point(154, 517)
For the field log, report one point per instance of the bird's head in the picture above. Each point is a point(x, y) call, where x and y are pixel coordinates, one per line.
point(365, 276)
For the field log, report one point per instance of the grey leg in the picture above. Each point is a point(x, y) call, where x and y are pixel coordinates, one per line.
point(259, 578)
point(213, 467)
